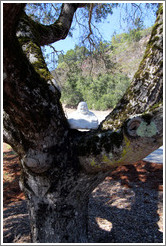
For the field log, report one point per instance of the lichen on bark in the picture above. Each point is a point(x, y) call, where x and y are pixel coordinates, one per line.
point(146, 88)
point(28, 37)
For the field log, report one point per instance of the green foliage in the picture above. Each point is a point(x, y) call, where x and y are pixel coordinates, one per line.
point(134, 35)
point(102, 87)
point(71, 95)
point(100, 93)
point(104, 91)
point(101, 11)
point(76, 55)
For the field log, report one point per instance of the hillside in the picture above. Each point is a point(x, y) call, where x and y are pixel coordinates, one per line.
point(101, 78)
point(128, 55)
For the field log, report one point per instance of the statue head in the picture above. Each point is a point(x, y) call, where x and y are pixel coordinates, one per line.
point(83, 108)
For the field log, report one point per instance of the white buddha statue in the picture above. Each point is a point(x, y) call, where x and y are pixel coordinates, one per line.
point(82, 118)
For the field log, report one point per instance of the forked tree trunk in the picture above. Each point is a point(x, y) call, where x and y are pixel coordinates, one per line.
point(61, 166)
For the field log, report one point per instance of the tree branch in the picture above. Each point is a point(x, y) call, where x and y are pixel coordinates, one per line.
point(30, 99)
point(105, 150)
point(135, 127)
point(90, 19)
point(59, 30)
point(146, 89)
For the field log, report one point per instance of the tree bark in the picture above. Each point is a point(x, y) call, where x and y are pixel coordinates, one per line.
point(58, 205)
point(146, 89)
point(60, 28)
point(61, 166)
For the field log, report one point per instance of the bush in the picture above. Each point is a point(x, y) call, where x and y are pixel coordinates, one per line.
point(100, 93)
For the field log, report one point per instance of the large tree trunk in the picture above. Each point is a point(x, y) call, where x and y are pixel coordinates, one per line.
point(61, 166)
point(58, 206)
point(63, 221)
point(58, 197)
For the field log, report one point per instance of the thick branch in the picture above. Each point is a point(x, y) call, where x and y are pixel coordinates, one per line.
point(31, 102)
point(146, 88)
point(134, 136)
point(59, 30)
point(30, 97)
point(138, 137)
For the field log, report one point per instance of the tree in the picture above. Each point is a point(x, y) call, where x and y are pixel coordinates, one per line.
point(61, 166)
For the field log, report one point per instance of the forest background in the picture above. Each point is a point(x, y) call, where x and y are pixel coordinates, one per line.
point(98, 68)
point(101, 78)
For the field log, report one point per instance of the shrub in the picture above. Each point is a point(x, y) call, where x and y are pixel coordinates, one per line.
point(100, 93)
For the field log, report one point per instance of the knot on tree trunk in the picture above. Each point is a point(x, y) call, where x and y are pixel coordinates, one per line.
point(37, 163)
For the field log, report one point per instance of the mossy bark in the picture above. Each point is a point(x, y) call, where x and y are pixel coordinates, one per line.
point(146, 88)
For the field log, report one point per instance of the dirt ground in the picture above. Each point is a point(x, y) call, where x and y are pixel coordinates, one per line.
point(126, 208)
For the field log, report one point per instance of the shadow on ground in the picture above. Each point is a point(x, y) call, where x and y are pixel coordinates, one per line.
point(129, 202)
point(16, 223)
